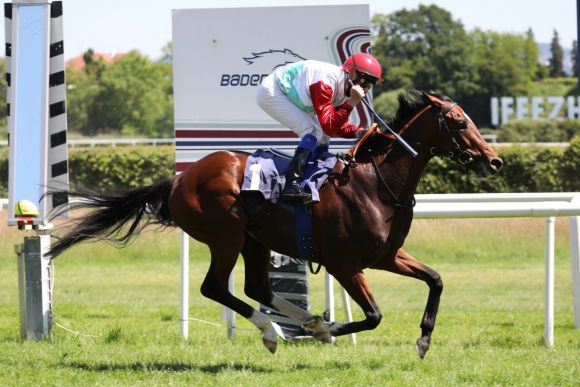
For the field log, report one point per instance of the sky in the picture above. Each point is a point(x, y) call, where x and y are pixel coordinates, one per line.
point(114, 26)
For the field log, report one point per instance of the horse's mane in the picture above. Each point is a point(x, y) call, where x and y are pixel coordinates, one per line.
point(410, 103)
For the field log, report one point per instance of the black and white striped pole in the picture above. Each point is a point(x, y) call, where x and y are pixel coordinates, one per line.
point(38, 155)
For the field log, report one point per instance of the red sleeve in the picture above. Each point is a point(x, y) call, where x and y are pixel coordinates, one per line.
point(334, 121)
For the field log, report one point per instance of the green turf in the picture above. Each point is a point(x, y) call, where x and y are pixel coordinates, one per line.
point(489, 331)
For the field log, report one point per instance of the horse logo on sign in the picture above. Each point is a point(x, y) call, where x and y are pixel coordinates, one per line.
point(274, 58)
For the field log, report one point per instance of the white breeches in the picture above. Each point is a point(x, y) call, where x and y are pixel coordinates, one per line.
point(274, 102)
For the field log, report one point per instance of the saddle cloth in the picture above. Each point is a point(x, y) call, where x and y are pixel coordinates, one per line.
point(265, 172)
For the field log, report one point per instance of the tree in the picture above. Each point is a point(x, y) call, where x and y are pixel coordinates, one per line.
point(134, 96)
point(557, 58)
point(167, 53)
point(531, 55)
point(506, 66)
point(93, 66)
point(82, 88)
point(424, 48)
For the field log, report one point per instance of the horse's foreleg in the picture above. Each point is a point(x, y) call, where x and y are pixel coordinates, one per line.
point(407, 265)
point(257, 286)
point(355, 283)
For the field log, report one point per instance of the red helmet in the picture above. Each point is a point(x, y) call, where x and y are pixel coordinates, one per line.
point(362, 63)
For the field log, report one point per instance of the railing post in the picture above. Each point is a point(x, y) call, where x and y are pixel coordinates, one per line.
point(574, 229)
point(329, 288)
point(184, 294)
point(348, 312)
point(549, 314)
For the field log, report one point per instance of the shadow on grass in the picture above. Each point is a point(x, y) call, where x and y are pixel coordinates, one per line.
point(164, 367)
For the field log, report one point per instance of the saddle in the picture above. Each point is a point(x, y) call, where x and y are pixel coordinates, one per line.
point(265, 173)
point(266, 168)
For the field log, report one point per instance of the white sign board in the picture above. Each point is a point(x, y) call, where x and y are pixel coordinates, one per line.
point(221, 55)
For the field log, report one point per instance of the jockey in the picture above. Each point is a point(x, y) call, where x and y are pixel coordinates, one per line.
point(314, 99)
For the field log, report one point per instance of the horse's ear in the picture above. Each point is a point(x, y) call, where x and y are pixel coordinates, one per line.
point(428, 97)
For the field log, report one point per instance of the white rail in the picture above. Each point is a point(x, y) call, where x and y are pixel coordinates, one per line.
point(496, 209)
point(167, 141)
point(91, 143)
point(546, 205)
point(496, 197)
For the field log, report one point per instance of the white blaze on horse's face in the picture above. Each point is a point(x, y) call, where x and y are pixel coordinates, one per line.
point(468, 133)
point(468, 119)
point(479, 148)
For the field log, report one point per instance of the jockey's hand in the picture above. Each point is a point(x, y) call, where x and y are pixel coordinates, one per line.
point(357, 93)
point(362, 131)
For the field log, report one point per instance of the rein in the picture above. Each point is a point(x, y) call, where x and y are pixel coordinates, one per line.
point(458, 154)
point(396, 201)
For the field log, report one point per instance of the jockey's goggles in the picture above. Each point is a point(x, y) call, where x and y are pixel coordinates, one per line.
point(366, 81)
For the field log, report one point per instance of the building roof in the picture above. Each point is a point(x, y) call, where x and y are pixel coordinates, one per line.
point(78, 62)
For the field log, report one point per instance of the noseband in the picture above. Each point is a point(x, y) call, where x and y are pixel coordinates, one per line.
point(458, 154)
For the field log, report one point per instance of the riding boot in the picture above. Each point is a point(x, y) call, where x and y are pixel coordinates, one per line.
point(292, 192)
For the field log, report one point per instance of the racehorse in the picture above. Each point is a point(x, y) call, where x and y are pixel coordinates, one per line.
point(361, 221)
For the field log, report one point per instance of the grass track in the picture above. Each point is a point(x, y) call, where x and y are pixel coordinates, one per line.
point(490, 326)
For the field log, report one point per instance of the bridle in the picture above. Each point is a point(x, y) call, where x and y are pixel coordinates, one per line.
point(458, 154)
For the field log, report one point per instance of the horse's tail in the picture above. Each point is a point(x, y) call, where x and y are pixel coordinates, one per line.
point(110, 213)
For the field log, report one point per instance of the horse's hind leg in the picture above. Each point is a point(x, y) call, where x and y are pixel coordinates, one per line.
point(258, 287)
point(224, 255)
point(407, 265)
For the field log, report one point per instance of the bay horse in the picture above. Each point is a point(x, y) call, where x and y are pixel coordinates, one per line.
point(362, 219)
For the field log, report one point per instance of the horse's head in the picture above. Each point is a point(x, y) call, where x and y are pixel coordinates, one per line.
point(458, 138)
point(441, 127)
point(436, 126)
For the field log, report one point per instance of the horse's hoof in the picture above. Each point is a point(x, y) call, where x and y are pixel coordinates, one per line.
point(270, 336)
point(271, 345)
point(422, 346)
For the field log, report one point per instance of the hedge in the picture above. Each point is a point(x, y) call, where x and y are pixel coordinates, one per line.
point(544, 130)
point(107, 168)
point(121, 167)
point(526, 169)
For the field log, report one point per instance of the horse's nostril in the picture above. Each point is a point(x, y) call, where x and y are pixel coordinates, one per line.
point(496, 164)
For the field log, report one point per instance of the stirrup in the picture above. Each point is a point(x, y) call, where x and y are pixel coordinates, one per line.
point(296, 197)
point(294, 193)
